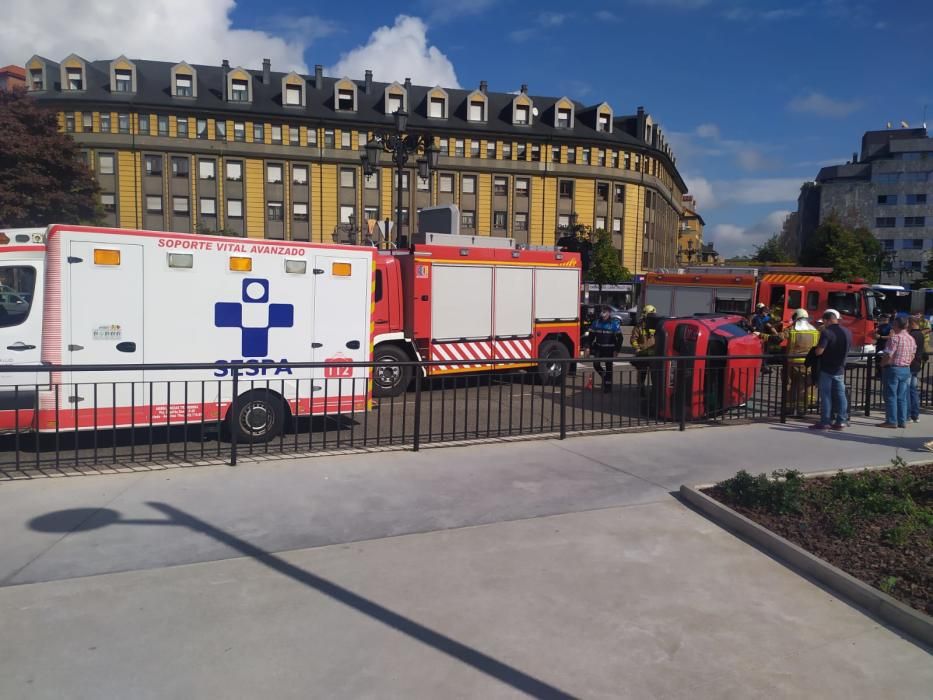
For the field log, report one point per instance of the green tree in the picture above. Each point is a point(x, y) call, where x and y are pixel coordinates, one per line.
point(205, 230)
point(771, 250)
point(42, 177)
point(849, 252)
point(926, 282)
point(605, 267)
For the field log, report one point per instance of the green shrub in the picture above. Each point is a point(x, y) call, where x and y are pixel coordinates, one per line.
point(779, 494)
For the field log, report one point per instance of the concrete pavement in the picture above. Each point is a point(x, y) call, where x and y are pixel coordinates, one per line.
point(484, 571)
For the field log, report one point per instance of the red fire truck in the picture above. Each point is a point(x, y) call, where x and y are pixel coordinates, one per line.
point(782, 290)
point(455, 298)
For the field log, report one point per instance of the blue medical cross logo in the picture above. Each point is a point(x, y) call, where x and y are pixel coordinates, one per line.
point(255, 341)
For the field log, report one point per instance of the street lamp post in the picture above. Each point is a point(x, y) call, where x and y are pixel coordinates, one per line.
point(400, 145)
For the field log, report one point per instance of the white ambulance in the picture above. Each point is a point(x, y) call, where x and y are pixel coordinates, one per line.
point(94, 296)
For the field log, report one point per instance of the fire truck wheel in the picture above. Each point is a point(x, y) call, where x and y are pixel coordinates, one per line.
point(257, 416)
point(552, 354)
point(390, 379)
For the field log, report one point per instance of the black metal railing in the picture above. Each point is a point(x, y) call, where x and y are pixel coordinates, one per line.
point(74, 419)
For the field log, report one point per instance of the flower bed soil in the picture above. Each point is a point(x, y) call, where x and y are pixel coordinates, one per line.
point(858, 522)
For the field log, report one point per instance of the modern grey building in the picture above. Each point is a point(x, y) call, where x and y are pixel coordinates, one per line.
point(887, 188)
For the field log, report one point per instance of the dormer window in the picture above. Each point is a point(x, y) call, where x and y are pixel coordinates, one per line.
point(603, 123)
point(123, 80)
point(396, 103)
point(293, 95)
point(293, 90)
point(35, 79)
point(522, 114)
point(477, 111)
point(239, 90)
point(563, 118)
point(184, 86)
point(436, 108)
point(74, 78)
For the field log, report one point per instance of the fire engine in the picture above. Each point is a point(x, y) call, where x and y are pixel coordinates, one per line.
point(455, 298)
point(80, 295)
point(738, 290)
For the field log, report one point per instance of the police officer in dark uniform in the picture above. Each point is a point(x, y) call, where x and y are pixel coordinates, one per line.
point(606, 338)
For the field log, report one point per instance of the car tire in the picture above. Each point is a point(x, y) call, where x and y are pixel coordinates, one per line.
point(390, 379)
point(550, 372)
point(257, 416)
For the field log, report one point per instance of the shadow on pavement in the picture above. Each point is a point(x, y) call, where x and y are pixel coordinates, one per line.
point(84, 519)
point(896, 440)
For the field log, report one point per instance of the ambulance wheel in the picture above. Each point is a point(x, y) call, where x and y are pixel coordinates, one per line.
point(553, 363)
point(257, 416)
point(390, 379)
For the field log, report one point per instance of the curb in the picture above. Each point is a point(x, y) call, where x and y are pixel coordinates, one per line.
point(901, 617)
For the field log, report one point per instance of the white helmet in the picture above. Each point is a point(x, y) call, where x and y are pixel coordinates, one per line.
point(799, 314)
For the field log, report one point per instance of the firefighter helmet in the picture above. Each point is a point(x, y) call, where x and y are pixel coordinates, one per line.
point(799, 314)
point(649, 309)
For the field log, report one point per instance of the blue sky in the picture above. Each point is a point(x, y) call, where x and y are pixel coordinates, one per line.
point(755, 95)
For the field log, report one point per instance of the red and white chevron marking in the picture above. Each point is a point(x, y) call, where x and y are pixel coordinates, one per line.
point(450, 353)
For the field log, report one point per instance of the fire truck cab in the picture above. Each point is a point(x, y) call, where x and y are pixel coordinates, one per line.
point(456, 299)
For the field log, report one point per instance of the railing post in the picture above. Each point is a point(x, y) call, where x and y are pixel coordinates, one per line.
point(233, 408)
point(681, 381)
point(565, 368)
point(785, 381)
point(869, 377)
point(416, 441)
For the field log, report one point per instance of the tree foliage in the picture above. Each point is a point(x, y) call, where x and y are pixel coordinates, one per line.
point(605, 267)
point(926, 282)
point(771, 250)
point(42, 177)
point(850, 252)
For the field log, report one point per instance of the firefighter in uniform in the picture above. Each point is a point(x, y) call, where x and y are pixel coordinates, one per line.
point(605, 339)
point(643, 341)
point(800, 337)
point(924, 327)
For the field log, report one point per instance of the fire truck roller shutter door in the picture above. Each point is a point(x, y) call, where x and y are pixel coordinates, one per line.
point(660, 298)
point(692, 300)
point(557, 293)
point(461, 306)
point(513, 326)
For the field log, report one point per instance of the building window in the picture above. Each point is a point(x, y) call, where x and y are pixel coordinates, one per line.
point(74, 78)
point(491, 150)
point(885, 222)
point(914, 221)
point(620, 194)
point(602, 191)
point(274, 173)
point(202, 128)
point(555, 154)
point(206, 170)
point(153, 204)
point(328, 138)
point(239, 131)
point(468, 184)
point(521, 187)
point(70, 122)
point(424, 184)
point(345, 99)
point(274, 211)
point(184, 86)
point(179, 166)
point(345, 213)
point(105, 123)
point(293, 139)
point(887, 199)
point(500, 186)
point(563, 118)
point(162, 125)
point(347, 177)
point(458, 148)
point(601, 223)
point(293, 95)
point(521, 221)
point(180, 205)
point(613, 159)
point(220, 129)
point(239, 90)
point(153, 165)
point(522, 113)
point(535, 153)
point(208, 206)
point(181, 127)
point(571, 155)
point(617, 225)
point(87, 121)
point(362, 138)
point(474, 149)
point(259, 135)
point(345, 139)
point(123, 123)
point(371, 213)
point(586, 156)
point(477, 111)
point(276, 134)
point(235, 170)
point(521, 151)
point(109, 202)
point(404, 221)
point(886, 178)
point(627, 161)
point(312, 137)
point(468, 218)
point(887, 243)
point(105, 163)
point(446, 183)
point(602, 123)
point(124, 82)
point(916, 199)
point(445, 147)
point(565, 189)
point(499, 219)
point(234, 208)
point(371, 181)
point(404, 182)
point(300, 211)
point(300, 174)
point(396, 102)
point(35, 78)
point(563, 221)
point(436, 108)
point(507, 151)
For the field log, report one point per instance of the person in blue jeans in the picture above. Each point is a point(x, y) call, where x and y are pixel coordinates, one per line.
point(832, 349)
point(898, 354)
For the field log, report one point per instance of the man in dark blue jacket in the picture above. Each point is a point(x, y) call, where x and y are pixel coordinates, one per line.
point(606, 335)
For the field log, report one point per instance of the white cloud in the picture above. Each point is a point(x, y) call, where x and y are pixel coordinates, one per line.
point(441, 11)
point(702, 191)
point(543, 21)
point(398, 52)
point(731, 239)
point(822, 106)
point(706, 141)
point(677, 4)
point(607, 16)
point(712, 194)
point(169, 30)
point(708, 131)
point(747, 14)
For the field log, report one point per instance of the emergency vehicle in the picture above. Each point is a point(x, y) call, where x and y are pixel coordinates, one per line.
point(739, 290)
point(98, 296)
point(455, 298)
